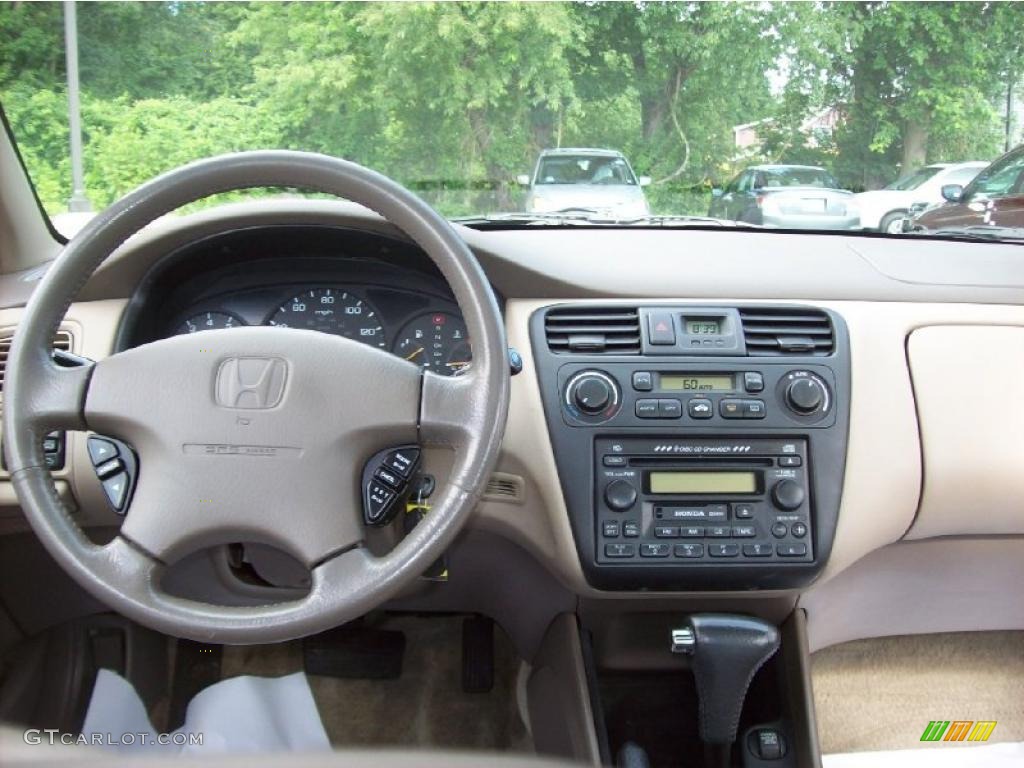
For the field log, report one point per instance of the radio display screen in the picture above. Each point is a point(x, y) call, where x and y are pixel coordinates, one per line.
point(702, 482)
point(696, 383)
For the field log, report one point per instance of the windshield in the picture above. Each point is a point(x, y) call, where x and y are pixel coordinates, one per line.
point(463, 103)
point(914, 180)
point(584, 169)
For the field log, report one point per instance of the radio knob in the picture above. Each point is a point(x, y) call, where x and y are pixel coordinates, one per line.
point(805, 395)
point(619, 495)
point(592, 392)
point(787, 494)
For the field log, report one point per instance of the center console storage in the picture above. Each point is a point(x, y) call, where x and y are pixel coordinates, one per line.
point(697, 446)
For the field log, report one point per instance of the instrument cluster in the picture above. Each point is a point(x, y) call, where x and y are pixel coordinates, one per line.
point(435, 339)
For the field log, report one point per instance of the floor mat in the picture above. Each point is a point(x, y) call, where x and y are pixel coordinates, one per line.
point(880, 694)
point(425, 706)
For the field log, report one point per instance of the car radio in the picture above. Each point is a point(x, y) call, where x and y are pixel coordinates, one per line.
point(696, 501)
point(698, 446)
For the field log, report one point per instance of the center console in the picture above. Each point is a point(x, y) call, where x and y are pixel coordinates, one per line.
point(698, 447)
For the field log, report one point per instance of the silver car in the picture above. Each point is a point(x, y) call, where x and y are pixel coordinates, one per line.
point(787, 196)
point(592, 180)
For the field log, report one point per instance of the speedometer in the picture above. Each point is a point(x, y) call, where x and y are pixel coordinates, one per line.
point(331, 310)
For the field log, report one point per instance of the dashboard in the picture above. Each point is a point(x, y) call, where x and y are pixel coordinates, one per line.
point(375, 290)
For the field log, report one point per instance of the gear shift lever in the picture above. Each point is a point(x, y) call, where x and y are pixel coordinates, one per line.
point(727, 651)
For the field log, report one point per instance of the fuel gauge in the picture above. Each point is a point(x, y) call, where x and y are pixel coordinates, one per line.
point(436, 341)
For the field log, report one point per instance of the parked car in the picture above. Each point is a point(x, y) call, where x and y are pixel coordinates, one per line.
point(789, 196)
point(995, 197)
point(885, 209)
point(593, 180)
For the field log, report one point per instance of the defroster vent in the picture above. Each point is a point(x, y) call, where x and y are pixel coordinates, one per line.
point(593, 330)
point(778, 331)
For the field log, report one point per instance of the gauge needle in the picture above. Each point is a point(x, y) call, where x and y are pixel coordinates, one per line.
point(410, 357)
point(457, 364)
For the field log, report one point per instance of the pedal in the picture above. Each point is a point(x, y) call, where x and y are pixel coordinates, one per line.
point(477, 654)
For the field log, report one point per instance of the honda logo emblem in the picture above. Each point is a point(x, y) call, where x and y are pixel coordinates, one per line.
point(251, 382)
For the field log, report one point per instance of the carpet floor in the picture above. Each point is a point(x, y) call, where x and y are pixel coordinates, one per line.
point(424, 707)
point(880, 694)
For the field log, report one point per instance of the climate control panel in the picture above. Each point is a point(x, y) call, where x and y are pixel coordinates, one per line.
point(627, 395)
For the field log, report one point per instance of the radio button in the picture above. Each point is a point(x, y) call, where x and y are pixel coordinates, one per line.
point(744, 531)
point(700, 408)
point(718, 532)
point(753, 381)
point(757, 550)
point(791, 550)
point(655, 550)
point(723, 550)
point(666, 532)
point(610, 529)
point(619, 495)
point(799, 530)
point(717, 511)
point(631, 529)
point(691, 532)
point(743, 511)
point(689, 550)
point(619, 550)
point(643, 381)
point(647, 409)
point(753, 409)
point(731, 408)
point(670, 409)
point(779, 530)
point(790, 461)
point(611, 460)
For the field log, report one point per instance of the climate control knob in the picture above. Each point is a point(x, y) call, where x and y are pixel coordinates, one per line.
point(592, 393)
point(787, 495)
point(806, 395)
point(619, 495)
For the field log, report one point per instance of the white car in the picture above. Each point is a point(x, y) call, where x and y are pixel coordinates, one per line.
point(596, 180)
point(884, 209)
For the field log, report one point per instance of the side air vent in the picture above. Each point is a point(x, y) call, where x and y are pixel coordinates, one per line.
point(61, 341)
point(773, 332)
point(593, 330)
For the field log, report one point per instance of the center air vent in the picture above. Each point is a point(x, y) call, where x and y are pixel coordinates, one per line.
point(593, 330)
point(777, 331)
point(61, 341)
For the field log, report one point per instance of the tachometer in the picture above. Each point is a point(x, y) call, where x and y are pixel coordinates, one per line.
point(332, 310)
point(437, 341)
point(209, 321)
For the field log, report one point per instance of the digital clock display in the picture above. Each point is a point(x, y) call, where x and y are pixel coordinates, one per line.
point(696, 383)
point(704, 327)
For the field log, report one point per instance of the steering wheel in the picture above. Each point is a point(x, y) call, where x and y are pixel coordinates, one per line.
point(288, 468)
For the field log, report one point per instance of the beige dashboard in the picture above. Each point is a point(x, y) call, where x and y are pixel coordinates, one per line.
point(934, 447)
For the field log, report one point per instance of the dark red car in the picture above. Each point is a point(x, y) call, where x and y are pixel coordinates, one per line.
point(994, 198)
